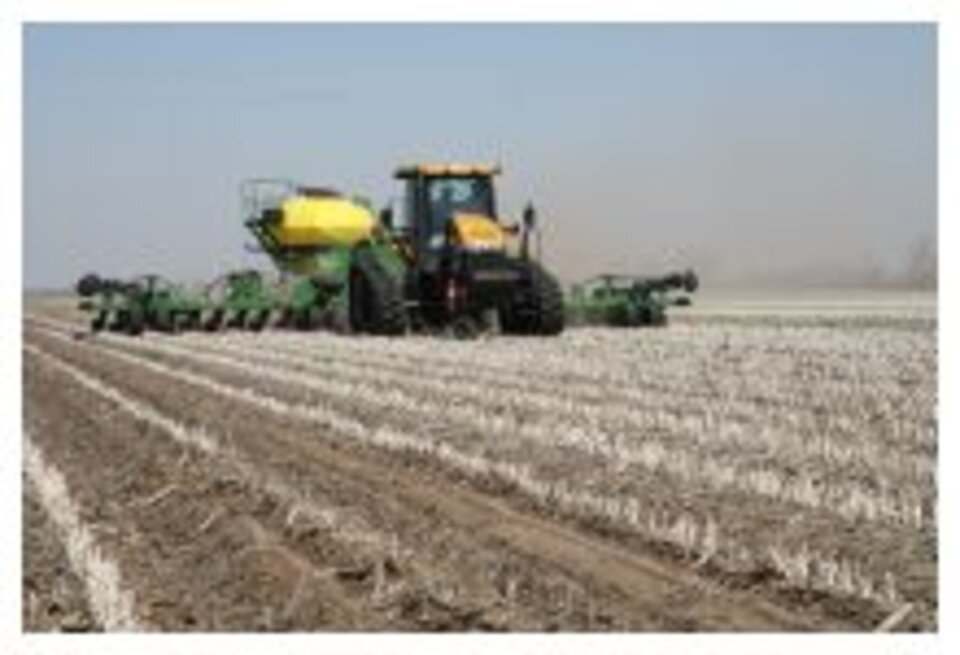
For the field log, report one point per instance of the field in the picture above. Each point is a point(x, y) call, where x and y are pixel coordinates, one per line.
point(757, 465)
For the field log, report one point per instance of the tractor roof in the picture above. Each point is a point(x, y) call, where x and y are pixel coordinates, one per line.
point(446, 170)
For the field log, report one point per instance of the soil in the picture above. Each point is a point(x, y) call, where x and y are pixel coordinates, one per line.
point(285, 527)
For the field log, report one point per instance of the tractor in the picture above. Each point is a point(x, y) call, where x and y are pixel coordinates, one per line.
point(447, 263)
point(443, 264)
point(461, 271)
point(625, 301)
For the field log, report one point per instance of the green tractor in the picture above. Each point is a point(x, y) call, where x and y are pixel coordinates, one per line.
point(625, 301)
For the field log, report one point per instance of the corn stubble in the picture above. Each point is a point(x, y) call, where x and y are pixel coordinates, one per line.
point(803, 450)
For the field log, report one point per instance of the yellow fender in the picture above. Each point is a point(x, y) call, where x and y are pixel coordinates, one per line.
point(478, 232)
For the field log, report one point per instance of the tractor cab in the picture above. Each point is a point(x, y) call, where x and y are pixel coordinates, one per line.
point(450, 206)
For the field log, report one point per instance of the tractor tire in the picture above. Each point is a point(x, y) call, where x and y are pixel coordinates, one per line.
point(536, 308)
point(376, 299)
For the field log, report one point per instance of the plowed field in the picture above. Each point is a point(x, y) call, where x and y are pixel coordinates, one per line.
point(734, 471)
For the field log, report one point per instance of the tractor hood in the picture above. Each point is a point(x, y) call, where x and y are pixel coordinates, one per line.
point(478, 232)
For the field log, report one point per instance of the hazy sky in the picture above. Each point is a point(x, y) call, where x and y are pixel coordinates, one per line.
point(754, 153)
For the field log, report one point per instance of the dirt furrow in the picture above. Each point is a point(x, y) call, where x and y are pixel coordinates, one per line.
point(782, 547)
point(409, 596)
point(109, 598)
point(53, 596)
point(619, 413)
point(202, 548)
point(447, 597)
point(660, 372)
point(805, 435)
point(662, 362)
point(644, 588)
point(680, 448)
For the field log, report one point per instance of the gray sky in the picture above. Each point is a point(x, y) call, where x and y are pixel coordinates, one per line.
point(763, 154)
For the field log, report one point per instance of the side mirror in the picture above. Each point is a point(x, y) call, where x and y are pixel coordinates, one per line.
point(529, 216)
point(386, 217)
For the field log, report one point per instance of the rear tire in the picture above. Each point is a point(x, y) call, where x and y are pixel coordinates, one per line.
point(536, 308)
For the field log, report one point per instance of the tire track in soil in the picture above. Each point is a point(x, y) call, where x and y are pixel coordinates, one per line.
point(202, 550)
point(416, 601)
point(408, 602)
point(468, 588)
point(646, 589)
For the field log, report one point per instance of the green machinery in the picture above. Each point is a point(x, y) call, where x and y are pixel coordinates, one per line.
point(146, 302)
point(336, 269)
point(339, 268)
point(446, 263)
point(151, 302)
point(626, 301)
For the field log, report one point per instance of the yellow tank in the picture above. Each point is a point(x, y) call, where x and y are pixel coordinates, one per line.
point(313, 221)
